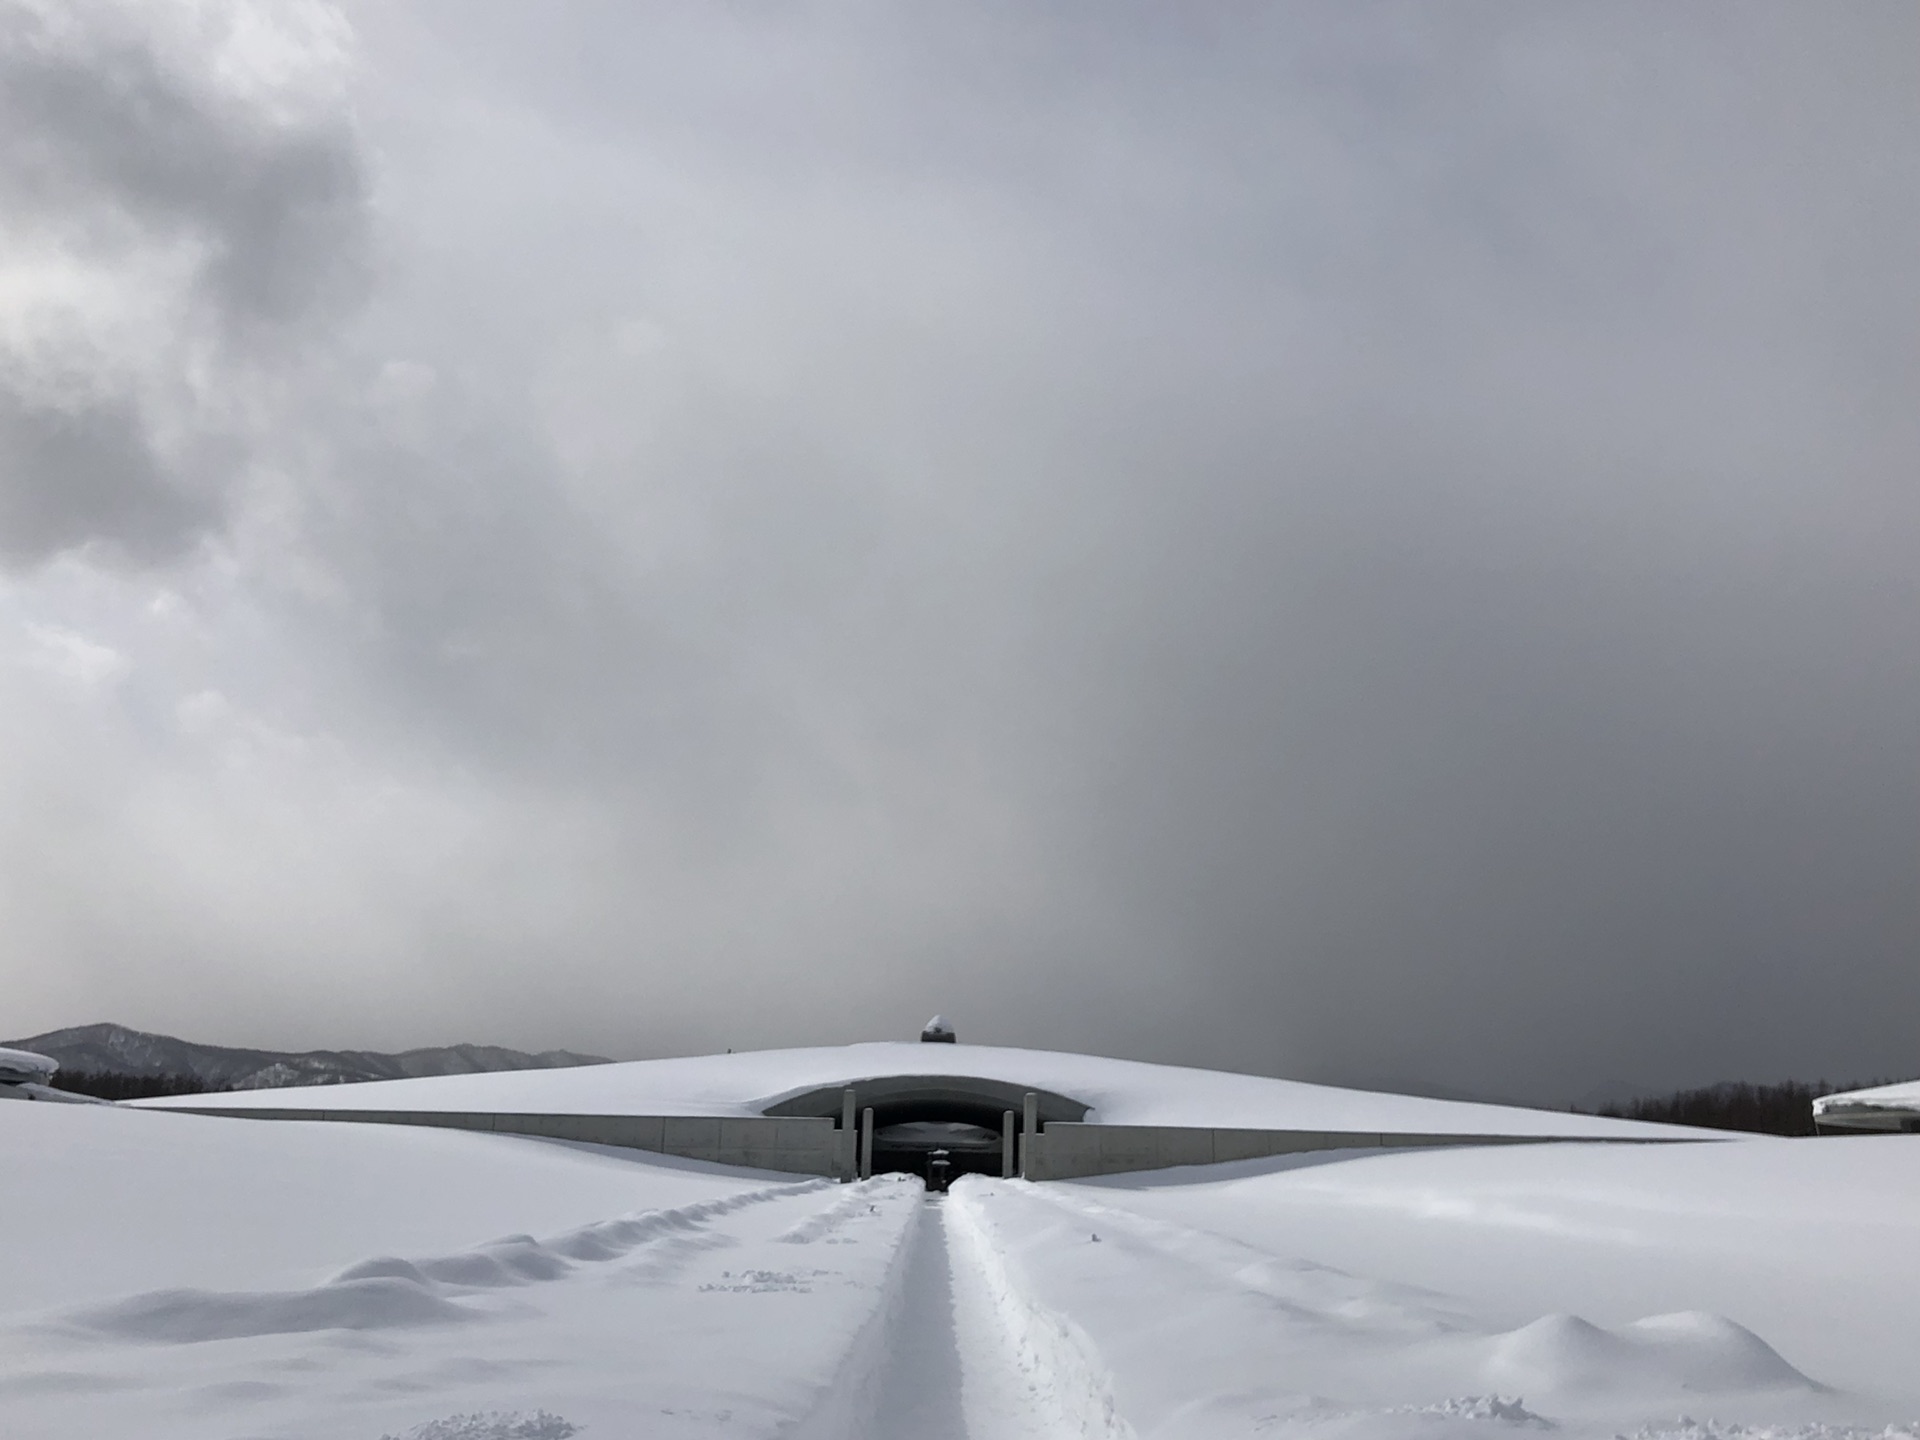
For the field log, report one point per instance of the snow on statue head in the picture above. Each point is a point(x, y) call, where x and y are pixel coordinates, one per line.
point(938, 1031)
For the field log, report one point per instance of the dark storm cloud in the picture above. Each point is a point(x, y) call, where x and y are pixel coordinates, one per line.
point(1406, 511)
point(1353, 542)
point(106, 143)
point(74, 477)
point(112, 155)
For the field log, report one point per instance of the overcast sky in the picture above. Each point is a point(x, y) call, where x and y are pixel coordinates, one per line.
point(1362, 542)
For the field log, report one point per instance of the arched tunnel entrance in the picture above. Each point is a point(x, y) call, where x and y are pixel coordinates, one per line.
point(916, 1115)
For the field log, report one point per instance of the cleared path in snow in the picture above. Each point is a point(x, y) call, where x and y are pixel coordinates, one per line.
point(951, 1369)
point(921, 1391)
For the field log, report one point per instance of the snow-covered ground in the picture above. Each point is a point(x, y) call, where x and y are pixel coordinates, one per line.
point(1770, 1283)
point(174, 1277)
point(1121, 1092)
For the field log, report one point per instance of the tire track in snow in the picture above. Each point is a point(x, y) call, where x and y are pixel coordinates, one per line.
point(1691, 1350)
point(922, 1393)
point(938, 1358)
point(1306, 1290)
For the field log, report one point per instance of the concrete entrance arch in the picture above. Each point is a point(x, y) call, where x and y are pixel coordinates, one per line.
point(905, 1118)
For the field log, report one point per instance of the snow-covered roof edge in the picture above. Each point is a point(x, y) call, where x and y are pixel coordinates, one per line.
point(1119, 1092)
point(19, 1066)
point(1877, 1107)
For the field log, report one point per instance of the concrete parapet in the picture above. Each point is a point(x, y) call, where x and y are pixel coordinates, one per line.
point(810, 1145)
point(796, 1146)
point(1065, 1151)
point(688, 1134)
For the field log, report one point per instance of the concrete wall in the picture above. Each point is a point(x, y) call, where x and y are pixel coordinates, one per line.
point(805, 1145)
point(800, 1146)
point(1062, 1151)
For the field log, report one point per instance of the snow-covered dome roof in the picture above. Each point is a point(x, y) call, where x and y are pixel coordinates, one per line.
point(755, 1083)
point(19, 1067)
point(1879, 1107)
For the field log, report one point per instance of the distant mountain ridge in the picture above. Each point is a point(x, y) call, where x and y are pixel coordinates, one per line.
point(117, 1050)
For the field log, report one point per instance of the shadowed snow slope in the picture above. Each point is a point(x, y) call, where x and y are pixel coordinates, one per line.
point(644, 1298)
point(1121, 1092)
point(1812, 1244)
point(102, 1200)
point(1188, 1334)
point(173, 1277)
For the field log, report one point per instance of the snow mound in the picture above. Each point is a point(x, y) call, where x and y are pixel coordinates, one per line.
point(389, 1292)
point(1480, 1407)
point(1687, 1428)
point(185, 1317)
point(1189, 1333)
point(1689, 1351)
point(541, 1425)
point(1314, 1417)
point(516, 1260)
point(824, 1225)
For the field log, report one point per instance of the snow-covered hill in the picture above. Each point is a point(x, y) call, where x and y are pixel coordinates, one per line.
point(118, 1050)
point(1121, 1092)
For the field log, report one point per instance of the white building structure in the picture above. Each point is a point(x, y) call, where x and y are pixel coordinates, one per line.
point(27, 1076)
point(1887, 1108)
point(849, 1111)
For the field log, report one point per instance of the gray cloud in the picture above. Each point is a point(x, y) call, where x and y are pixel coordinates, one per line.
point(205, 230)
point(72, 478)
point(1353, 543)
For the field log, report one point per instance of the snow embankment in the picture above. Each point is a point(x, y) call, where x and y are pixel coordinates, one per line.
point(1066, 1377)
point(745, 1304)
point(112, 1200)
point(1813, 1244)
point(391, 1293)
point(1162, 1329)
point(1121, 1092)
point(724, 1318)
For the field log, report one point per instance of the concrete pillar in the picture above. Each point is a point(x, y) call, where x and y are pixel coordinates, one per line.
point(866, 1143)
point(1006, 1144)
point(1029, 1127)
point(849, 1157)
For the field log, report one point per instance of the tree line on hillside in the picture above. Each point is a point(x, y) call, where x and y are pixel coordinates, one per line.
point(1782, 1109)
point(111, 1085)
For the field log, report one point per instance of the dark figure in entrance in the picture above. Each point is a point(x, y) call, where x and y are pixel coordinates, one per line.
point(909, 1146)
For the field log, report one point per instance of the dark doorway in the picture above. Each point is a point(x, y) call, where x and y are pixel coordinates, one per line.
point(914, 1115)
point(908, 1147)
